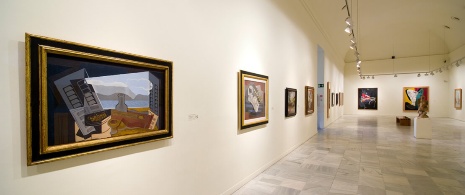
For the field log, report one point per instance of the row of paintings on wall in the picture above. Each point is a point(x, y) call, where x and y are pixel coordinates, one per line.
point(337, 99)
point(253, 100)
point(368, 98)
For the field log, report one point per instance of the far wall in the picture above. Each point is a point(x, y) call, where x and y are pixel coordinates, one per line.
point(390, 88)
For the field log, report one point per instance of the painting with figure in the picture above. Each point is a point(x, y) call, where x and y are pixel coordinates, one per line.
point(458, 99)
point(309, 100)
point(367, 98)
point(93, 99)
point(412, 95)
point(291, 102)
point(253, 99)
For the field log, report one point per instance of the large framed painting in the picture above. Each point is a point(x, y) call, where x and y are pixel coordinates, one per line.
point(253, 99)
point(412, 95)
point(368, 98)
point(458, 99)
point(309, 100)
point(83, 99)
point(291, 102)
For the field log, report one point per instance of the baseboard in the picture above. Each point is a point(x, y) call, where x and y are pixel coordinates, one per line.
point(244, 181)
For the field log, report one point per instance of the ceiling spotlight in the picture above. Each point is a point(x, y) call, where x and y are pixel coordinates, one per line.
point(348, 29)
point(440, 70)
point(352, 46)
point(352, 40)
point(349, 21)
point(457, 64)
point(363, 77)
point(356, 53)
point(368, 77)
point(432, 73)
point(373, 77)
point(395, 75)
point(358, 62)
point(426, 74)
point(419, 75)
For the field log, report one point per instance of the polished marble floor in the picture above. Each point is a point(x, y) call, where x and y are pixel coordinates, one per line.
point(370, 155)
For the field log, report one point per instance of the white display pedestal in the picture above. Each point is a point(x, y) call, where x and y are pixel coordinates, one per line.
point(422, 128)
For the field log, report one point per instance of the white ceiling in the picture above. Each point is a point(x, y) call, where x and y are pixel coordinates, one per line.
point(385, 28)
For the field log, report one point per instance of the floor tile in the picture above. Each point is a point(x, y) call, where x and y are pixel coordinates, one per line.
point(370, 155)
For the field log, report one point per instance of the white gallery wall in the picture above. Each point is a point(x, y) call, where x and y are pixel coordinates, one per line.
point(390, 88)
point(208, 41)
point(457, 81)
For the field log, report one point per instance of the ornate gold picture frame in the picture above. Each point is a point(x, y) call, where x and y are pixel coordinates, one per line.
point(83, 99)
point(309, 100)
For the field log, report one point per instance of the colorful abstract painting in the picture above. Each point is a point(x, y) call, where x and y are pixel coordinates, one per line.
point(412, 95)
point(368, 98)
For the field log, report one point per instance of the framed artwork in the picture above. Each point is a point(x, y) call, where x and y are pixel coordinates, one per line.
point(341, 99)
point(291, 102)
point(411, 95)
point(83, 99)
point(458, 99)
point(337, 99)
point(309, 100)
point(368, 98)
point(328, 99)
point(253, 99)
point(332, 100)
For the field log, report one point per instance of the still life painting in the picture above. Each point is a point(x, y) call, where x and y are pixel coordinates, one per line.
point(253, 99)
point(83, 99)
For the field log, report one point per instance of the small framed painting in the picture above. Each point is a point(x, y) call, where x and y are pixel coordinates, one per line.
point(253, 99)
point(83, 99)
point(337, 99)
point(332, 100)
point(458, 99)
point(291, 102)
point(309, 100)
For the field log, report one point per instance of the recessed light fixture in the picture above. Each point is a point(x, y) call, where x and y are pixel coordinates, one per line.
point(419, 75)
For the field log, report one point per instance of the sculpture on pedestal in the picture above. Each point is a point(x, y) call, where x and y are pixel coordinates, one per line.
point(423, 107)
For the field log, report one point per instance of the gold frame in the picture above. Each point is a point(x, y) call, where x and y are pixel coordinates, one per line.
point(38, 48)
point(247, 123)
point(458, 107)
point(311, 109)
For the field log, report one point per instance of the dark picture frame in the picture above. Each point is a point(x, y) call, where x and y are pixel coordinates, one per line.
point(411, 95)
point(309, 100)
point(458, 99)
point(291, 102)
point(337, 99)
point(253, 99)
point(367, 98)
point(82, 99)
point(332, 99)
